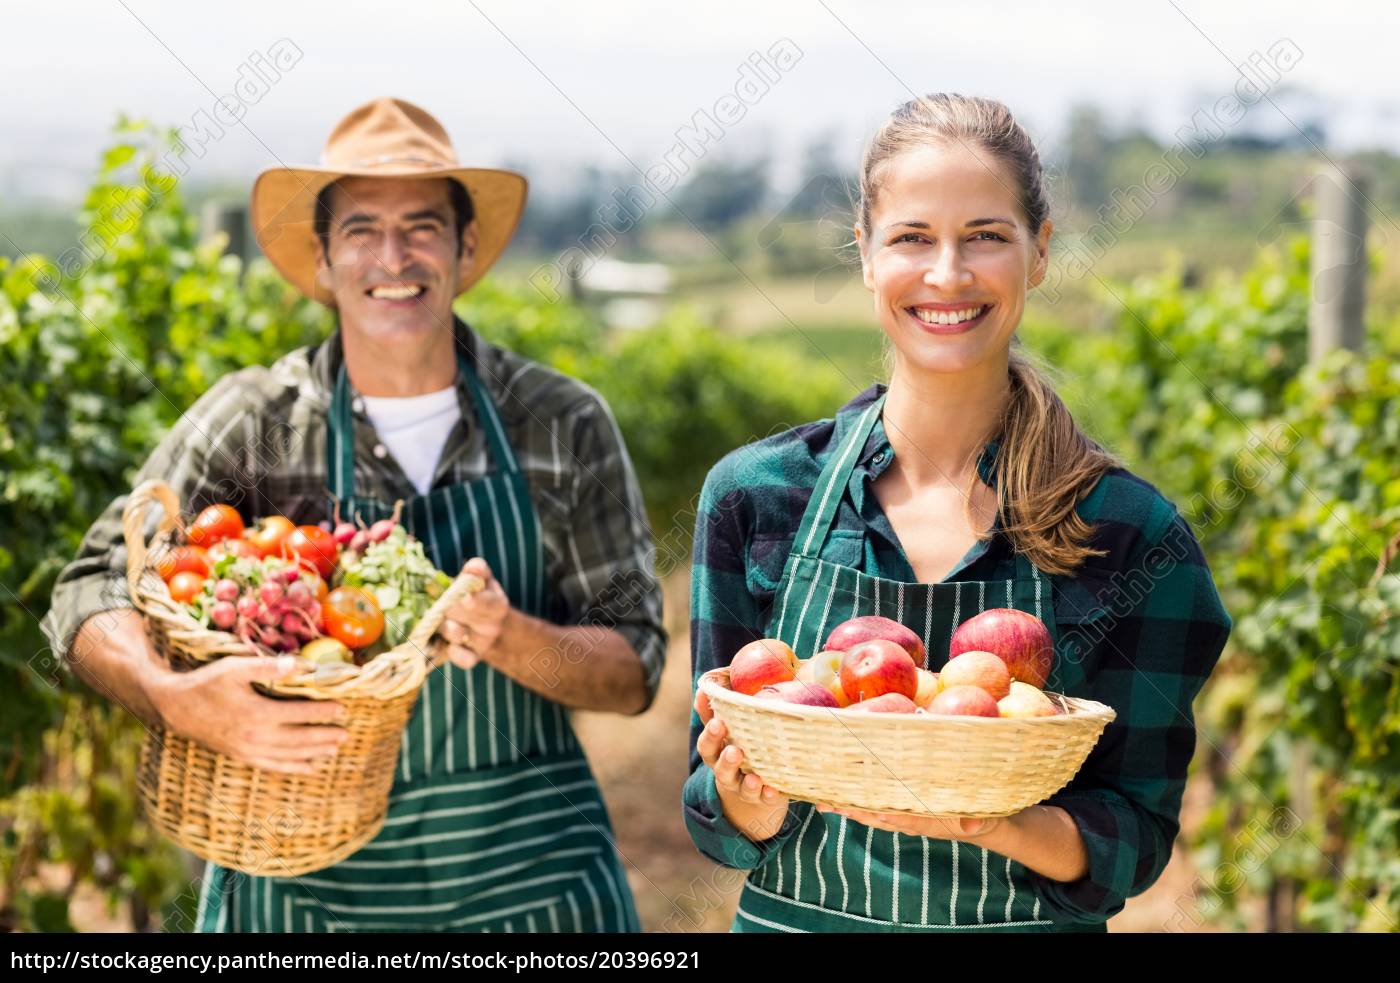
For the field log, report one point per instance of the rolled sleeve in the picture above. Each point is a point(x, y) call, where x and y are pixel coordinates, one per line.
point(1152, 662)
point(607, 575)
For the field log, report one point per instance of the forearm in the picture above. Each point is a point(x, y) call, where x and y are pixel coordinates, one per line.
point(1044, 839)
point(582, 666)
point(113, 656)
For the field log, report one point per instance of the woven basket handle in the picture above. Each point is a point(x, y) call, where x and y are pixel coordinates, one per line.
point(148, 493)
point(457, 591)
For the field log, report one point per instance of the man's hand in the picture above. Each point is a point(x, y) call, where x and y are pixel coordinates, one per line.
point(217, 706)
point(473, 626)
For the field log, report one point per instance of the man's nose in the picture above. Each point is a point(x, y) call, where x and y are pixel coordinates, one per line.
point(394, 250)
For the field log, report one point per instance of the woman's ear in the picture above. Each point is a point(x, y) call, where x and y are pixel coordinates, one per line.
point(865, 272)
point(1042, 254)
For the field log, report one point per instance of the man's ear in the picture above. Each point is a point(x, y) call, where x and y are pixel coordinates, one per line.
point(471, 239)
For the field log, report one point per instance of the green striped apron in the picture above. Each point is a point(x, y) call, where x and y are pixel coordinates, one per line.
point(495, 820)
point(838, 875)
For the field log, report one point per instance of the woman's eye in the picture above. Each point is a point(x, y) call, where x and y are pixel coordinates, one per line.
point(995, 237)
point(908, 237)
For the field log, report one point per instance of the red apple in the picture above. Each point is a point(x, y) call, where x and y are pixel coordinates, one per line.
point(981, 669)
point(876, 668)
point(929, 687)
point(762, 663)
point(796, 691)
point(824, 670)
point(1021, 640)
point(858, 631)
point(889, 703)
point(964, 701)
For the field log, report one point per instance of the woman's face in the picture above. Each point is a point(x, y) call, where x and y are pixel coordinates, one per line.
point(950, 256)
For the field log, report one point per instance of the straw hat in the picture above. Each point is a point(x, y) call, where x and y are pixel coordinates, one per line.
point(383, 138)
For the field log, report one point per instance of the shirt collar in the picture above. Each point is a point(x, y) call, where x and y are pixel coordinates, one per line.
point(877, 454)
point(327, 358)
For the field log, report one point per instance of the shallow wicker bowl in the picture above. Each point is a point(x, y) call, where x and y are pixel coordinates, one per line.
point(921, 764)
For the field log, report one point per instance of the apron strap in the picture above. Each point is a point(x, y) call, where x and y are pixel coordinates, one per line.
point(340, 436)
point(826, 496)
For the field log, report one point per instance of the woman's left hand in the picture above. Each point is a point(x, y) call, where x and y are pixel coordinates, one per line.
point(937, 827)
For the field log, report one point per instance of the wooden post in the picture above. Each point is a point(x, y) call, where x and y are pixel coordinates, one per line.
point(1336, 316)
point(228, 218)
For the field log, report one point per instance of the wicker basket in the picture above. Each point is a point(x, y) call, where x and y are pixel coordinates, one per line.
point(268, 823)
point(920, 764)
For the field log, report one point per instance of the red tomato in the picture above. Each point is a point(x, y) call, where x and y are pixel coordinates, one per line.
point(269, 534)
point(353, 617)
point(186, 586)
point(215, 524)
point(178, 559)
point(316, 545)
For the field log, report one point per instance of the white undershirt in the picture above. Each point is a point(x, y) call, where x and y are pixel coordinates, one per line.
point(415, 429)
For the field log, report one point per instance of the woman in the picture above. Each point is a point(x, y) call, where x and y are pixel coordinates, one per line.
point(963, 485)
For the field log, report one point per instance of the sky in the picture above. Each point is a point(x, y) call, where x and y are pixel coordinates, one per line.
point(555, 87)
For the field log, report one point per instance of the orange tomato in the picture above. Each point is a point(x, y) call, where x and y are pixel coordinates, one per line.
point(353, 617)
point(179, 559)
point(186, 586)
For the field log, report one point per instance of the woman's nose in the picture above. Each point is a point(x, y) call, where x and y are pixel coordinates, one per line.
point(947, 270)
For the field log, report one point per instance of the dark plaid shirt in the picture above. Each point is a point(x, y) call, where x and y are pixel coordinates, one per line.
point(257, 440)
point(1145, 618)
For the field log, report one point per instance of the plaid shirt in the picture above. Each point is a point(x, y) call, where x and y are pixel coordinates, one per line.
point(257, 440)
point(1145, 619)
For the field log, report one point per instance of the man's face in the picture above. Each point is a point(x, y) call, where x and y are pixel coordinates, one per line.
point(391, 258)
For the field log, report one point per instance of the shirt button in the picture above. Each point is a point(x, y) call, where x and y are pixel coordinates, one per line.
point(358, 405)
point(380, 451)
point(880, 457)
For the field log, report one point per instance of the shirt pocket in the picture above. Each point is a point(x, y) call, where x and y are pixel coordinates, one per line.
point(768, 558)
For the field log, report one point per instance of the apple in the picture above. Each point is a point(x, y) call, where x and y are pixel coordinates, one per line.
point(796, 691)
point(824, 670)
point(929, 686)
point(964, 701)
point(1021, 640)
point(889, 703)
point(858, 631)
point(1026, 701)
point(762, 663)
point(878, 667)
point(982, 669)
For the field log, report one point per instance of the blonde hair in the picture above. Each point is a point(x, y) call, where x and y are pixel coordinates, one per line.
point(1045, 463)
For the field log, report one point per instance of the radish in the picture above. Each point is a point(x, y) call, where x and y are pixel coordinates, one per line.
point(270, 592)
point(224, 615)
point(248, 607)
point(359, 541)
point(380, 530)
point(344, 533)
point(226, 590)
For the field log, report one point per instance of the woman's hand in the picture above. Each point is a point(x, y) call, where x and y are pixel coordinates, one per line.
point(937, 827)
point(756, 809)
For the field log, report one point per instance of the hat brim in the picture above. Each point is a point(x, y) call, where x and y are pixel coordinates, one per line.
point(283, 215)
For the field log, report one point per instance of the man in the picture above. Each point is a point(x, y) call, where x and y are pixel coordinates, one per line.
point(495, 820)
